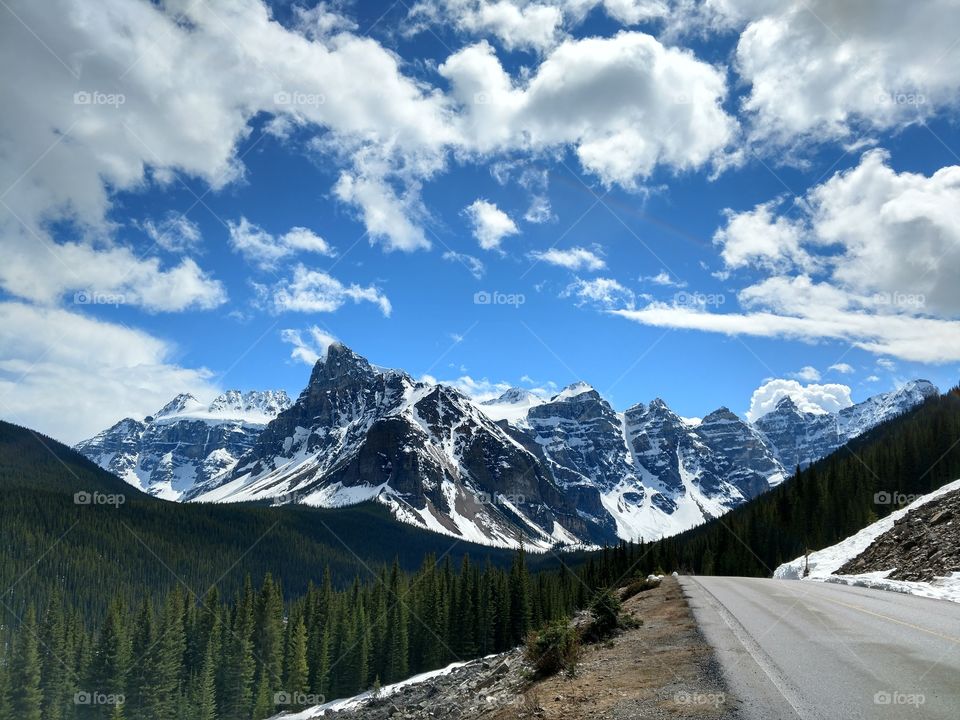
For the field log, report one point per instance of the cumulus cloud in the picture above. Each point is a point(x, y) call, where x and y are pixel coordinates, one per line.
point(605, 293)
point(826, 68)
point(490, 224)
point(665, 279)
point(48, 272)
point(811, 398)
point(871, 258)
point(671, 115)
point(522, 24)
point(309, 345)
point(575, 258)
point(265, 250)
point(807, 373)
point(316, 291)
point(842, 368)
point(110, 371)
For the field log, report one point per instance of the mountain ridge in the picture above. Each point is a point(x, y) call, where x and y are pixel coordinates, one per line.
point(566, 470)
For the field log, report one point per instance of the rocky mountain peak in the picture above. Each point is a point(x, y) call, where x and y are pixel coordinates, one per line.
point(181, 403)
point(574, 390)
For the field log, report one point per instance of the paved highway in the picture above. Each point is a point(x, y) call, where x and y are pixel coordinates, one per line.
point(791, 649)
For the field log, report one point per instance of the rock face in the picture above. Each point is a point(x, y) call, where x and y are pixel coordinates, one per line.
point(185, 445)
point(564, 470)
point(426, 451)
point(922, 545)
point(800, 438)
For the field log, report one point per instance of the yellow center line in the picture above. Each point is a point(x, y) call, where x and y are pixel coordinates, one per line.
point(949, 638)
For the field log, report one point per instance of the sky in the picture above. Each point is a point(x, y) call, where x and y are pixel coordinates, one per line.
point(715, 203)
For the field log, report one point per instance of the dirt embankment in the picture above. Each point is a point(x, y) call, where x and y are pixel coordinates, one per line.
point(661, 669)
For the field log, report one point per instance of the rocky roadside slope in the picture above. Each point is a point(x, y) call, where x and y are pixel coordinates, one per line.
point(661, 669)
point(922, 545)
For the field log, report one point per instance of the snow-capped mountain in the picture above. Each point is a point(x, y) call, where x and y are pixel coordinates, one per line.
point(426, 451)
point(564, 470)
point(186, 444)
point(799, 438)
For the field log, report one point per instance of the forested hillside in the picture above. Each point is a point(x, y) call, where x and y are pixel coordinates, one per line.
point(145, 546)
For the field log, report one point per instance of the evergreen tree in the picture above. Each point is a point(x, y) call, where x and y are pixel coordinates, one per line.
point(26, 671)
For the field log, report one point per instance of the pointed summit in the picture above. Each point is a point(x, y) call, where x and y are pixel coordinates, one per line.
point(180, 404)
point(573, 390)
point(339, 361)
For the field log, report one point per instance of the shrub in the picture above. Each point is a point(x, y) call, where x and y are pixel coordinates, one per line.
point(605, 610)
point(639, 585)
point(554, 648)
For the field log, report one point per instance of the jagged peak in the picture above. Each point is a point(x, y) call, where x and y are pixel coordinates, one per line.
point(511, 396)
point(721, 414)
point(573, 390)
point(339, 360)
point(181, 402)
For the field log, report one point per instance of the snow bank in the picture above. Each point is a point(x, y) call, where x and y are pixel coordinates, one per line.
point(352, 703)
point(824, 563)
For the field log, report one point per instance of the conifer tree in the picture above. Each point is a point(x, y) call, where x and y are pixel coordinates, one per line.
point(25, 671)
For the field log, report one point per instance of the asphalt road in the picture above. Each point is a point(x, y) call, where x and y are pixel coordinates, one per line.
point(791, 649)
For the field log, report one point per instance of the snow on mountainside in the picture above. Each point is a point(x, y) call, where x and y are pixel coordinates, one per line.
point(512, 406)
point(565, 470)
point(186, 444)
point(800, 438)
point(927, 539)
point(426, 451)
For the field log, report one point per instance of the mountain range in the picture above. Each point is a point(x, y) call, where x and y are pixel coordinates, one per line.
point(562, 471)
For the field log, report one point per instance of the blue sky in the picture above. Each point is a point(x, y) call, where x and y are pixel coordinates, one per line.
point(715, 203)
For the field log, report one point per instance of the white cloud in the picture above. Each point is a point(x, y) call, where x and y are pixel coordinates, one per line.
point(871, 259)
point(606, 293)
point(70, 376)
point(808, 398)
point(316, 291)
point(807, 373)
point(43, 271)
point(663, 278)
point(673, 114)
point(532, 25)
point(310, 348)
point(825, 68)
point(490, 224)
point(919, 339)
point(175, 233)
point(886, 364)
point(135, 93)
point(575, 258)
point(842, 368)
point(756, 237)
point(473, 265)
point(388, 217)
point(262, 248)
point(539, 210)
